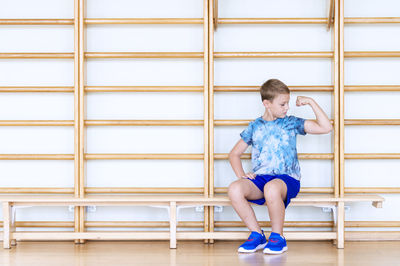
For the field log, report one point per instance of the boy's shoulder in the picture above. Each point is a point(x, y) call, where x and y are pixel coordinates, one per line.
point(286, 119)
point(292, 121)
point(293, 118)
point(285, 122)
point(256, 122)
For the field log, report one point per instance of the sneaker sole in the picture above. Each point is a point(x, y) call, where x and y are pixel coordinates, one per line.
point(268, 251)
point(242, 250)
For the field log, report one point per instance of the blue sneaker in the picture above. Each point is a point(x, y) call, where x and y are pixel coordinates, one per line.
point(256, 241)
point(276, 244)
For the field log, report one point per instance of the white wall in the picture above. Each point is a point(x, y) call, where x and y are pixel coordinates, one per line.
point(180, 72)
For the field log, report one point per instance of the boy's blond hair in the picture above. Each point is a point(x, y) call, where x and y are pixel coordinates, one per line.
point(271, 88)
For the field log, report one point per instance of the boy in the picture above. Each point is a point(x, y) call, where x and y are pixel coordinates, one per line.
point(276, 172)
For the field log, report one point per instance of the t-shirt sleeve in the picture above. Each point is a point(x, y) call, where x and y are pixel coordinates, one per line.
point(298, 124)
point(247, 134)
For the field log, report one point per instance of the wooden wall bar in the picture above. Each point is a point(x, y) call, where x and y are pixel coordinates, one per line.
point(105, 21)
point(293, 88)
point(144, 88)
point(99, 55)
point(362, 88)
point(206, 98)
point(210, 216)
point(339, 11)
point(190, 190)
point(198, 224)
point(77, 77)
point(36, 89)
point(36, 21)
point(62, 123)
point(209, 89)
point(82, 115)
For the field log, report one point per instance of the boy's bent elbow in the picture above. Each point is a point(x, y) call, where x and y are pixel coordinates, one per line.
point(234, 154)
point(325, 129)
point(329, 129)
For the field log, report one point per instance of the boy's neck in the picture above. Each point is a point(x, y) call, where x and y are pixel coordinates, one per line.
point(268, 116)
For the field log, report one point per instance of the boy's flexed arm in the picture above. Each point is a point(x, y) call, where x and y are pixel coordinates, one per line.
point(322, 125)
point(236, 163)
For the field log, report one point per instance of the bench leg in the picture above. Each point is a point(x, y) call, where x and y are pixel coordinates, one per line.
point(340, 225)
point(172, 225)
point(211, 223)
point(76, 223)
point(82, 223)
point(206, 221)
point(6, 225)
point(13, 224)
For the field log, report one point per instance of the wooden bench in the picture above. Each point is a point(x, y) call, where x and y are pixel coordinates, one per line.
point(172, 202)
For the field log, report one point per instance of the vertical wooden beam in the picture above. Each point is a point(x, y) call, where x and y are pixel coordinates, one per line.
point(76, 114)
point(206, 111)
point(81, 97)
point(336, 95)
point(81, 114)
point(211, 111)
point(6, 225)
point(172, 224)
point(340, 210)
point(76, 98)
point(341, 94)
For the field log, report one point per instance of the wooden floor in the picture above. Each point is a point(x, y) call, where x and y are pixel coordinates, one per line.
point(197, 253)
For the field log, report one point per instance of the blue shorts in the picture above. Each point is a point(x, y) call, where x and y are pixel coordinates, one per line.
point(293, 186)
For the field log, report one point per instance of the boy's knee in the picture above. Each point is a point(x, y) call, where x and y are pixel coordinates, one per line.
point(235, 189)
point(272, 192)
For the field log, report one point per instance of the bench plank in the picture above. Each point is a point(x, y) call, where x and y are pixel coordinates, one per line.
point(173, 201)
point(64, 200)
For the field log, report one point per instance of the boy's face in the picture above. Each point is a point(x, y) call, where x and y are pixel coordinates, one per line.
point(279, 105)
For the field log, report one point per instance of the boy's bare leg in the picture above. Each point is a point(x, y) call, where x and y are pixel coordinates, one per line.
point(275, 193)
point(239, 191)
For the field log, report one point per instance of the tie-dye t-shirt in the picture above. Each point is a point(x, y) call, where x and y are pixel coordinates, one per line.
point(274, 145)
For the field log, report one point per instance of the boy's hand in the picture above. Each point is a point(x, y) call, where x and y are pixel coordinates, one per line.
point(249, 175)
point(303, 100)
